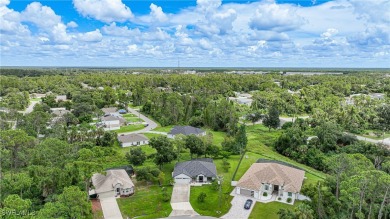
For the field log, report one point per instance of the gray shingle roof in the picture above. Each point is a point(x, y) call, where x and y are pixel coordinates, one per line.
point(132, 138)
point(195, 167)
point(185, 130)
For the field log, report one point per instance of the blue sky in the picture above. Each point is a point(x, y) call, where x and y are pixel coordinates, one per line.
point(202, 33)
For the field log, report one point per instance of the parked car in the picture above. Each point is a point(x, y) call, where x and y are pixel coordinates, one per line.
point(248, 204)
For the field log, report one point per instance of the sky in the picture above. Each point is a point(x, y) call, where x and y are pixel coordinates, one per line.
point(201, 33)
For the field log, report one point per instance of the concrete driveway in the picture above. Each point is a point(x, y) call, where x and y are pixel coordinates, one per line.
point(110, 208)
point(237, 210)
point(180, 200)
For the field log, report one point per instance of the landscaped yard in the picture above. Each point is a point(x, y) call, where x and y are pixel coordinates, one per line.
point(130, 128)
point(164, 129)
point(131, 118)
point(146, 203)
point(269, 210)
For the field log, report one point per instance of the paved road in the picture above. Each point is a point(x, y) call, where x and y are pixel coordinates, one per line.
point(152, 125)
point(180, 201)
point(30, 107)
point(237, 210)
point(110, 208)
point(385, 141)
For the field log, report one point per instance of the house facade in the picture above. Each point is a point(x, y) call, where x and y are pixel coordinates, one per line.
point(133, 140)
point(269, 180)
point(112, 122)
point(185, 130)
point(115, 183)
point(201, 171)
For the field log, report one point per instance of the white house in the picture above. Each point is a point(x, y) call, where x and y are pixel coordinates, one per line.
point(269, 180)
point(132, 140)
point(61, 98)
point(114, 183)
point(185, 130)
point(112, 122)
point(201, 170)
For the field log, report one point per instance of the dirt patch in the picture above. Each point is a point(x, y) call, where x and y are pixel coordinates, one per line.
point(96, 205)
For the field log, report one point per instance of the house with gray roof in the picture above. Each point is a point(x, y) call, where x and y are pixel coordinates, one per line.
point(185, 130)
point(113, 183)
point(132, 140)
point(195, 171)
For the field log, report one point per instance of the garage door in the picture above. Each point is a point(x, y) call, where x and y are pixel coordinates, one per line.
point(182, 180)
point(246, 192)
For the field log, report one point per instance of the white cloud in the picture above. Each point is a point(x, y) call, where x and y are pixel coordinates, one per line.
point(157, 13)
point(10, 21)
point(274, 17)
point(72, 24)
point(124, 31)
point(92, 36)
point(104, 10)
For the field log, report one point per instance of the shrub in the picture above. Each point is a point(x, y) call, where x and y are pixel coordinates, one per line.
point(225, 165)
point(165, 196)
point(201, 197)
point(279, 198)
point(265, 194)
point(289, 200)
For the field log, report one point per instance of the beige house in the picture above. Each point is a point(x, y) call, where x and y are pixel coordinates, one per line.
point(132, 140)
point(269, 180)
point(114, 183)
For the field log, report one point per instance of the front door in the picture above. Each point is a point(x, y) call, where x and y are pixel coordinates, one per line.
point(200, 178)
point(118, 191)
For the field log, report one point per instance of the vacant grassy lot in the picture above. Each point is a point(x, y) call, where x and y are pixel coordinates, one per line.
point(130, 128)
point(269, 210)
point(146, 203)
point(164, 129)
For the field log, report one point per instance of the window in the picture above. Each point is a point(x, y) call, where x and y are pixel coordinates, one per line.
point(252, 193)
point(266, 187)
point(290, 194)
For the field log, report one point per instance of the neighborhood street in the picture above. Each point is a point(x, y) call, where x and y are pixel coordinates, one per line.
point(151, 124)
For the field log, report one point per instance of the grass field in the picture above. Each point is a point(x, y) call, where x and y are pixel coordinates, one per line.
point(164, 129)
point(146, 203)
point(269, 210)
point(130, 128)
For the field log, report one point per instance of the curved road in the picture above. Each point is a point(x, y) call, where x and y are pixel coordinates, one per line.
point(148, 129)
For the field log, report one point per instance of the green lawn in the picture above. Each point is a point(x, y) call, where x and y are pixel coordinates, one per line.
point(131, 118)
point(35, 99)
point(163, 129)
point(130, 128)
point(370, 134)
point(145, 203)
point(269, 210)
point(210, 206)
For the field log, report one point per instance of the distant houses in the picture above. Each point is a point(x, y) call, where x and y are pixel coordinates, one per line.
point(61, 98)
point(112, 122)
point(132, 140)
point(242, 99)
point(185, 130)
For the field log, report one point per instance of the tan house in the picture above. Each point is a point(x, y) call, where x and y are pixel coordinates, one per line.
point(132, 140)
point(114, 183)
point(269, 180)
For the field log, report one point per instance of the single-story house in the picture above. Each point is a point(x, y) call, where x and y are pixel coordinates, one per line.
point(201, 170)
point(61, 98)
point(112, 122)
point(132, 140)
point(59, 112)
point(244, 101)
point(185, 130)
point(114, 183)
point(271, 180)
